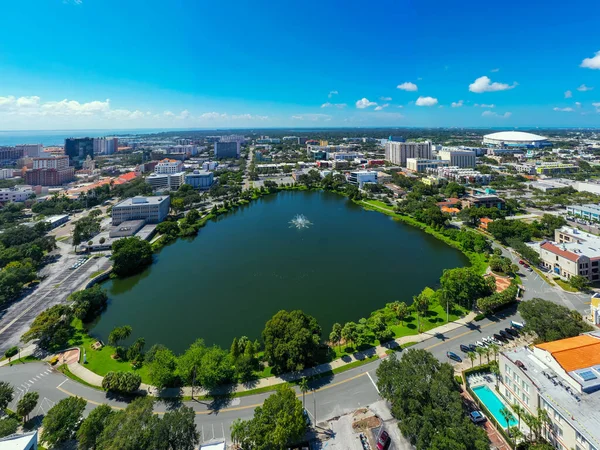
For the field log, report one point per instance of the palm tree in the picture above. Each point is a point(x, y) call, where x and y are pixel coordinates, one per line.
point(494, 349)
point(516, 433)
point(519, 411)
point(480, 351)
point(421, 305)
point(303, 388)
point(508, 417)
point(486, 352)
point(401, 310)
point(472, 356)
point(336, 334)
point(496, 371)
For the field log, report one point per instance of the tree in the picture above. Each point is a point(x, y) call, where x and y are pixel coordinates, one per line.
point(122, 382)
point(216, 368)
point(162, 368)
point(61, 422)
point(52, 327)
point(191, 360)
point(550, 321)
point(494, 348)
point(234, 350)
point(6, 394)
point(8, 426)
point(519, 411)
point(119, 334)
point(579, 282)
point(9, 353)
point(472, 356)
point(401, 310)
point(303, 385)
point(133, 428)
point(425, 399)
point(463, 286)
point(421, 305)
point(276, 424)
point(134, 352)
point(507, 415)
point(177, 430)
point(92, 426)
point(291, 340)
point(350, 332)
point(130, 255)
point(480, 351)
point(88, 303)
point(336, 334)
point(27, 404)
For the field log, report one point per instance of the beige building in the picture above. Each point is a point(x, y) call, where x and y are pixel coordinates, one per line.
point(563, 378)
point(458, 157)
point(149, 209)
point(399, 152)
point(421, 165)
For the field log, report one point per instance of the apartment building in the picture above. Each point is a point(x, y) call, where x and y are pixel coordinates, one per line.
point(51, 162)
point(6, 173)
point(227, 149)
point(457, 157)
point(421, 165)
point(50, 171)
point(166, 181)
point(10, 155)
point(167, 166)
point(200, 179)
point(30, 150)
point(105, 146)
point(589, 211)
point(462, 175)
point(361, 177)
point(562, 378)
point(399, 152)
point(17, 194)
point(482, 201)
point(150, 209)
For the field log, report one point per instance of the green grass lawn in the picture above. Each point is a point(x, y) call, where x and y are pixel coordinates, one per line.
point(566, 286)
point(100, 361)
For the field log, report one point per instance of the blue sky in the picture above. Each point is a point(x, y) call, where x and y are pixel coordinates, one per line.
point(68, 64)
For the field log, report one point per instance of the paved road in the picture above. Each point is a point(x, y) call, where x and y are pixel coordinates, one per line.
point(16, 318)
point(334, 396)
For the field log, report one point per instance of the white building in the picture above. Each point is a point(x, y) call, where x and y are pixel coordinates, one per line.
point(457, 157)
point(421, 165)
point(200, 179)
point(30, 150)
point(209, 165)
point(462, 175)
point(25, 441)
point(19, 194)
point(51, 162)
point(150, 209)
point(562, 378)
point(187, 149)
point(360, 177)
point(167, 166)
point(166, 181)
point(399, 152)
point(6, 173)
point(105, 146)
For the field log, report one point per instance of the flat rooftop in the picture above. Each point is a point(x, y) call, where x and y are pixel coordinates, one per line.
point(582, 411)
point(136, 201)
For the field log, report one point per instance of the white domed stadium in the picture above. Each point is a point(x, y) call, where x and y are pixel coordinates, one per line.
point(518, 139)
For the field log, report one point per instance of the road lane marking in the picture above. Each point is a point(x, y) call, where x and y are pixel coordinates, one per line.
point(374, 385)
point(64, 381)
point(460, 335)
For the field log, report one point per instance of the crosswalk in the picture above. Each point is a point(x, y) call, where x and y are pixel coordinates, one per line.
point(27, 384)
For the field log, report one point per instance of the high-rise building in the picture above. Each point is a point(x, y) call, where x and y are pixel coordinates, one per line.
point(77, 149)
point(399, 152)
point(227, 149)
point(168, 166)
point(200, 179)
point(31, 150)
point(457, 157)
point(10, 155)
point(105, 145)
point(51, 162)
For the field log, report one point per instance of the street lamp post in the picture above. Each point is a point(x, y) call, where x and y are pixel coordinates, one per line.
point(315, 407)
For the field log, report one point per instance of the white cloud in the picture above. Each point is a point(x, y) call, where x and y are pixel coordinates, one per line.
point(568, 94)
point(380, 107)
point(591, 63)
point(495, 70)
point(249, 117)
point(364, 103)
point(426, 101)
point(578, 104)
point(74, 108)
point(168, 114)
point(312, 117)
point(597, 106)
point(408, 86)
point(332, 93)
point(385, 99)
point(484, 84)
point(7, 102)
point(584, 88)
point(485, 105)
point(567, 109)
point(212, 115)
point(28, 102)
point(506, 115)
point(336, 105)
point(124, 114)
point(457, 104)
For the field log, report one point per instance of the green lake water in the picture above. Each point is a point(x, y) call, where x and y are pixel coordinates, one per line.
point(246, 265)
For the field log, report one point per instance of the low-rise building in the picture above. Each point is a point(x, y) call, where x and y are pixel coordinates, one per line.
point(555, 168)
point(167, 181)
point(458, 157)
point(25, 441)
point(482, 201)
point(562, 378)
point(167, 166)
point(360, 177)
point(16, 194)
point(588, 211)
point(199, 179)
point(151, 209)
point(461, 175)
point(422, 165)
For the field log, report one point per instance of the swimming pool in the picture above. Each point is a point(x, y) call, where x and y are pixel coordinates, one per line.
point(493, 404)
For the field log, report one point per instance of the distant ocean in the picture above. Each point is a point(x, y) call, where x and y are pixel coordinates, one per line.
point(57, 137)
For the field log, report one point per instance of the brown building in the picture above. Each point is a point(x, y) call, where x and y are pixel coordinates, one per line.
point(49, 177)
point(482, 201)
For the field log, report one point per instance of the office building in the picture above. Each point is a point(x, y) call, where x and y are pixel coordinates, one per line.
point(399, 152)
point(16, 194)
point(462, 175)
point(167, 166)
point(421, 165)
point(6, 173)
point(482, 201)
point(227, 149)
point(50, 171)
point(360, 177)
point(562, 378)
point(150, 209)
point(200, 179)
point(396, 139)
point(77, 149)
point(105, 146)
point(588, 211)
point(10, 155)
point(457, 157)
point(555, 168)
point(209, 165)
point(167, 181)
point(31, 150)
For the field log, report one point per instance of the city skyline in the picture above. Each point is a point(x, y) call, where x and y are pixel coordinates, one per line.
point(184, 65)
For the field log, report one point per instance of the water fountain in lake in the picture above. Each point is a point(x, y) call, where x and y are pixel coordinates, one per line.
point(300, 222)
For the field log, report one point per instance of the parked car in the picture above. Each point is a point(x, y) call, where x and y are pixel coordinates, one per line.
point(521, 262)
point(517, 325)
point(512, 331)
point(499, 338)
point(465, 348)
point(477, 417)
point(383, 441)
point(454, 356)
point(480, 344)
point(472, 347)
point(505, 335)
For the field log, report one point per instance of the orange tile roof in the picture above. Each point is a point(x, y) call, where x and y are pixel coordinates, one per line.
point(449, 210)
point(486, 220)
point(560, 252)
point(574, 353)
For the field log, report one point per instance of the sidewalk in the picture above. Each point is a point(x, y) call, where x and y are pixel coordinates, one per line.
point(381, 350)
point(27, 351)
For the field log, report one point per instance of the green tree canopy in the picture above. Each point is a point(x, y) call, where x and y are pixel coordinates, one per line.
point(91, 428)
point(177, 430)
point(52, 327)
point(464, 286)
point(291, 340)
point(133, 428)
point(27, 404)
point(131, 255)
point(88, 303)
point(62, 420)
point(6, 394)
point(161, 369)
